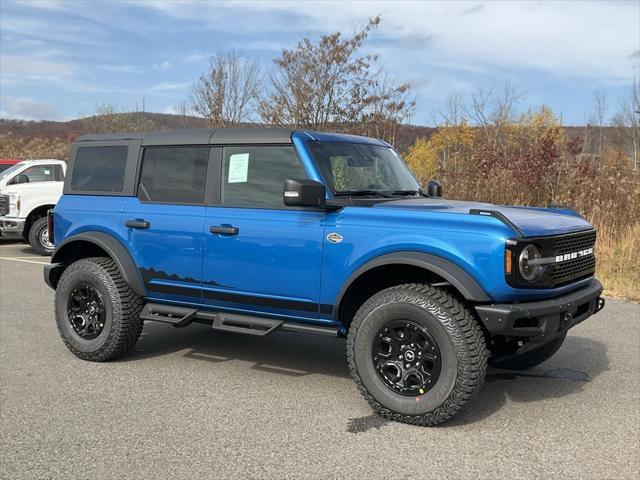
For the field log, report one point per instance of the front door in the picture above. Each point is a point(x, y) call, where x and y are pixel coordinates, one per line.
point(163, 226)
point(258, 254)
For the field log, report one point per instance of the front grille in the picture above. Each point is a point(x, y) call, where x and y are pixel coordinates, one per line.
point(574, 242)
point(574, 269)
point(4, 204)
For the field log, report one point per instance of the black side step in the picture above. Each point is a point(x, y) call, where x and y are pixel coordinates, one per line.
point(176, 316)
point(229, 322)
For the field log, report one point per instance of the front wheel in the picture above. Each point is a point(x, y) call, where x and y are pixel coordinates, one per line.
point(39, 237)
point(97, 313)
point(417, 354)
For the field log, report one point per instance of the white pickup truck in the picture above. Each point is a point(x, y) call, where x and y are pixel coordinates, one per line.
point(27, 191)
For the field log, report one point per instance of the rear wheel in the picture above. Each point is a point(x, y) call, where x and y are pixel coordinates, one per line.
point(39, 237)
point(530, 359)
point(417, 354)
point(97, 313)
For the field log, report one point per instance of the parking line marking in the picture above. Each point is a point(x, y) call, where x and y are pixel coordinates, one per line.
point(23, 260)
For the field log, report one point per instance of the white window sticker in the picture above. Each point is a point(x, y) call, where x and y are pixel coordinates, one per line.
point(238, 168)
point(47, 172)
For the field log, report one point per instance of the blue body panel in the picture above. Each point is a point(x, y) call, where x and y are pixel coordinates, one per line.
point(281, 263)
point(76, 214)
point(276, 257)
point(168, 253)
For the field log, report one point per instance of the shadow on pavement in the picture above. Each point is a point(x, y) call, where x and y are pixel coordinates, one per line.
point(578, 362)
point(283, 353)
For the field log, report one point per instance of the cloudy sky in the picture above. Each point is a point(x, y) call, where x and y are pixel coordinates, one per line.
point(59, 58)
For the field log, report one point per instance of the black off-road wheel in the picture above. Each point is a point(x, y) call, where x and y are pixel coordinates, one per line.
point(97, 313)
point(39, 237)
point(531, 358)
point(417, 354)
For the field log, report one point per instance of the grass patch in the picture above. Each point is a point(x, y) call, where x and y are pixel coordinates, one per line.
point(618, 257)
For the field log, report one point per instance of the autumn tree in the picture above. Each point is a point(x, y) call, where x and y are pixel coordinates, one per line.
point(108, 118)
point(29, 148)
point(330, 84)
point(227, 93)
point(627, 123)
point(599, 114)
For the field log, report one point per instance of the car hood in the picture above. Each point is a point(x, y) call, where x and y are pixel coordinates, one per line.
point(531, 221)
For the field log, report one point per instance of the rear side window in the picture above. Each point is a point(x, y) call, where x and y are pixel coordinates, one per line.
point(99, 169)
point(254, 176)
point(173, 174)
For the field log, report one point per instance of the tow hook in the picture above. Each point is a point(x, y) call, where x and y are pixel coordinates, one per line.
point(566, 320)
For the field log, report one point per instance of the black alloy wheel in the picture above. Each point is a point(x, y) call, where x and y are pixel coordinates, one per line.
point(86, 311)
point(406, 357)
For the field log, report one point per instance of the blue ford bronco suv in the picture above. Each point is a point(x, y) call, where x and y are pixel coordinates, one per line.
point(263, 230)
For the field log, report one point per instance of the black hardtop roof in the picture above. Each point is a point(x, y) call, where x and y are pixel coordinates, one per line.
point(203, 136)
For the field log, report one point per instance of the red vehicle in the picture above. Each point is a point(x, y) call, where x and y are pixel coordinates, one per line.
point(7, 163)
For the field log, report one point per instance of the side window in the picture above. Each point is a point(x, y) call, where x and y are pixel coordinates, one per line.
point(254, 176)
point(41, 173)
point(99, 169)
point(173, 174)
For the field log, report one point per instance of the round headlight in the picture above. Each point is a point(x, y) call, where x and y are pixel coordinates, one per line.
point(529, 272)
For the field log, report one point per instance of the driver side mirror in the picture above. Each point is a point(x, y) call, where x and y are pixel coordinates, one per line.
point(304, 193)
point(434, 188)
point(19, 178)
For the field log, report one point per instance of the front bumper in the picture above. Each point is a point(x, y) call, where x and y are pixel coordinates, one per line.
point(11, 226)
point(544, 318)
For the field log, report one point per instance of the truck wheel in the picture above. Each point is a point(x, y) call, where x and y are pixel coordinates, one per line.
point(39, 237)
point(417, 354)
point(97, 314)
point(529, 359)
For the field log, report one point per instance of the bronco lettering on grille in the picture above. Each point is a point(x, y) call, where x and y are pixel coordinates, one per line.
point(572, 256)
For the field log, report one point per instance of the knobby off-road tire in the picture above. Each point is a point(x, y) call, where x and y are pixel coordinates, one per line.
point(529, 359)
point(122, 324)
point(39, 237)
point(454, 328)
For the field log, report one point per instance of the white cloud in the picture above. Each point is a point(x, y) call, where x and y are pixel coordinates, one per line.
point(592, 39)
point(164, 65)
point(19, 67)
point(168, 86)
point(197, 57)
point(45, 30)
point(132, 69)
point(26, 108)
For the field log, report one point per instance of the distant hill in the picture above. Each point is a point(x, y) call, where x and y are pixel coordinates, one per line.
point(161, 121)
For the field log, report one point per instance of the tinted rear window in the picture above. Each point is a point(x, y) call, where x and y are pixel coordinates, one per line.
point(174, 174)
point(99, 169)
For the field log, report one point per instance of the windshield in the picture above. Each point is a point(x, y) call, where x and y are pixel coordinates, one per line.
point(10, 171)
point(356, 167)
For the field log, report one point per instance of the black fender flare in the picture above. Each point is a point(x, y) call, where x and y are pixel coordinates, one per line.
point(452, 273)
point(114, 248)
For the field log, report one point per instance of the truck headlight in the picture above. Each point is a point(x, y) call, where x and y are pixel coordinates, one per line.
point(14, 205)
point(530, 271)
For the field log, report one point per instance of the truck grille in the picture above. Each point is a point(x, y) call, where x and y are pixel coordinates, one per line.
point(4, 204)
point(574, 269)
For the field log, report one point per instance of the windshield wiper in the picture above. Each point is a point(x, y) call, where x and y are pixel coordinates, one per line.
point(409, 192)
point(364, 193)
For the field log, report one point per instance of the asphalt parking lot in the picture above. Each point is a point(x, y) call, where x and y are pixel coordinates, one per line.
point(194, 403)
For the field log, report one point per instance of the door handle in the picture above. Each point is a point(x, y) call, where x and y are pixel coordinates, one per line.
point(137, 224)
point(224, 230)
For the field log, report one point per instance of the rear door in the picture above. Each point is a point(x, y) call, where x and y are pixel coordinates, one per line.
point(163, 225)
point(261, 256)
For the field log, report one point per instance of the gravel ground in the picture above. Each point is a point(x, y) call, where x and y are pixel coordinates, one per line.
point(194, 403)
